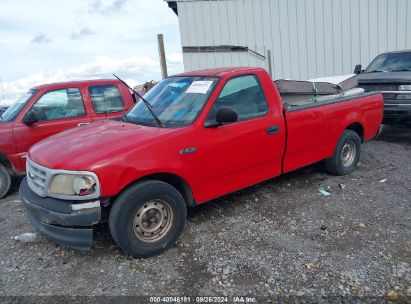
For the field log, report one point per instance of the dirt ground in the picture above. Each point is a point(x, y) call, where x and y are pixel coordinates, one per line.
point(279, 238)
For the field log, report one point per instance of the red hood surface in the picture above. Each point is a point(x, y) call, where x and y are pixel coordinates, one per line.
point(84, 148)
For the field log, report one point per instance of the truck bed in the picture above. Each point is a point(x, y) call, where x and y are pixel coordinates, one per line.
point(313, 129)
point(292, 100)
point(298, 92)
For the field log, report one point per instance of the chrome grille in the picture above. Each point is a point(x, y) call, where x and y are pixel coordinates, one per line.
point(39, 178)
point(36, 178)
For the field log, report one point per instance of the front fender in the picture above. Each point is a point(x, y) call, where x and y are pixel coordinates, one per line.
point(8, 153)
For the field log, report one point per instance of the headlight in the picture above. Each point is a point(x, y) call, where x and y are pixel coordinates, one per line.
point(71, 184)
point(404, 87)
point(404, 96)
point(84, 185)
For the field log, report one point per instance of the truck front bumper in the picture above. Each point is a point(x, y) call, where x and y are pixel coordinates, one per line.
point(67, 222)
point(397, 112)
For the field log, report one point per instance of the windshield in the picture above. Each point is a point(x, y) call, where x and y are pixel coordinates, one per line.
point(176, 101)
point(11, 113)
point(393, 62)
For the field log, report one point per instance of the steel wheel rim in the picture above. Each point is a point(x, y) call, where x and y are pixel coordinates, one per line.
point(348, 153)
point(152, 220)
point(3, 180)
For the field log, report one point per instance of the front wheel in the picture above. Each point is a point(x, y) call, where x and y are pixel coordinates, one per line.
point(5, 181)
point(147, 218)
point(346, 154)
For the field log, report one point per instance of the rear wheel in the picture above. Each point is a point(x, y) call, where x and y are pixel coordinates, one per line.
point(5, 181)
point(346, 154)
point(147, 218)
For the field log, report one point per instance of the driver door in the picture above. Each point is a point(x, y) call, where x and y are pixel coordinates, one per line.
point(56, 111)
point(236, 155)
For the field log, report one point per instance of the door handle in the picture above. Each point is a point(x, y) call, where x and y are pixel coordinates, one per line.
point(83, 124)
point(273, 130)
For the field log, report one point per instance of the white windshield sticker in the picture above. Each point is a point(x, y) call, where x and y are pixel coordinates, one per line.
point(199, 87)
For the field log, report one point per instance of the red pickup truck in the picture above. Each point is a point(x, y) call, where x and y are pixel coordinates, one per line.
point(51, 108)
point(214, 132)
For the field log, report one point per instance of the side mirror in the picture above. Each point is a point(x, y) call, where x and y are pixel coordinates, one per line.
point(358, 69)
point(30, 118)
point(224, 115)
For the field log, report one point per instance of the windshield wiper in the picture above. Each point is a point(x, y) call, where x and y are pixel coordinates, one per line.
point(377, 71)
point(402, 70)
point(148, 105)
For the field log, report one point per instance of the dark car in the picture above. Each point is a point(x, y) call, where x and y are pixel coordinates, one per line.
point(390, 73)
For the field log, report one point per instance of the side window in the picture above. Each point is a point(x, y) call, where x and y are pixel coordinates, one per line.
point(106, 99)
point(244, 95)
point(58, 104)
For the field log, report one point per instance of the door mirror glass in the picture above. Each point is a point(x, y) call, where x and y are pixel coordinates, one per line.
point(226, 115)
point(30, 118)
point(358, 69)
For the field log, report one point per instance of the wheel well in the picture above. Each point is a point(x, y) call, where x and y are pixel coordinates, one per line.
point(177, 182)
point(358, 128)
point(5, 161)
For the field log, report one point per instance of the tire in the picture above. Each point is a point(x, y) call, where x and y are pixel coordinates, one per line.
point(346, 155)
point(137, 212)
point(5, 181)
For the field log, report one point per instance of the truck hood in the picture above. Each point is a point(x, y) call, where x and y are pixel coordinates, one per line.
point(85, 147)
point(382, 77)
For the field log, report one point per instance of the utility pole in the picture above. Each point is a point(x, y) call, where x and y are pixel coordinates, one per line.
point(162, 54)
point(270, 67)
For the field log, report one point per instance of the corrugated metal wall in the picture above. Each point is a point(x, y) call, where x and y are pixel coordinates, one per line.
point(307, 38)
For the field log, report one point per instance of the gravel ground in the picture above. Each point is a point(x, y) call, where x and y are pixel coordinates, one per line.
point(279, 238)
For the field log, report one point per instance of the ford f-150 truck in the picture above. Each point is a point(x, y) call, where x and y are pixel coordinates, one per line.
point(196, 136)
point(51, 108)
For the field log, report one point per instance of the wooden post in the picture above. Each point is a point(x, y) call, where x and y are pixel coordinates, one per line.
point(162, 54)
point(270, 68)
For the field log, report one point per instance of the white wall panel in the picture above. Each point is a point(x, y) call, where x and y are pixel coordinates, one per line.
point(307, 38)
point(373, 26)
point(302, 39)
point(293, 38)
point(337, 36)
point(392, 23)
point(319, 42)
point(209, 37)
point(401, 23)
point(276, 43)
point(311, 47)
point(382, 6)
point(346, 58)
point(327, 36)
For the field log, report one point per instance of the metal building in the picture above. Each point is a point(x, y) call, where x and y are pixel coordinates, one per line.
point(306, 38)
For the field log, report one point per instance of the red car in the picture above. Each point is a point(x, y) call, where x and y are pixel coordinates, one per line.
point(51, 108)
point(198, 136)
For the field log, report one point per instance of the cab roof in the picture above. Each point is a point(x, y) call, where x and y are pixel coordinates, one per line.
point(76, 83)
point(217, 72)
point(396, 52)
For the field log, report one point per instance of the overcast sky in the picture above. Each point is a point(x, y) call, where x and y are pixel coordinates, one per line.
point(45, 41)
